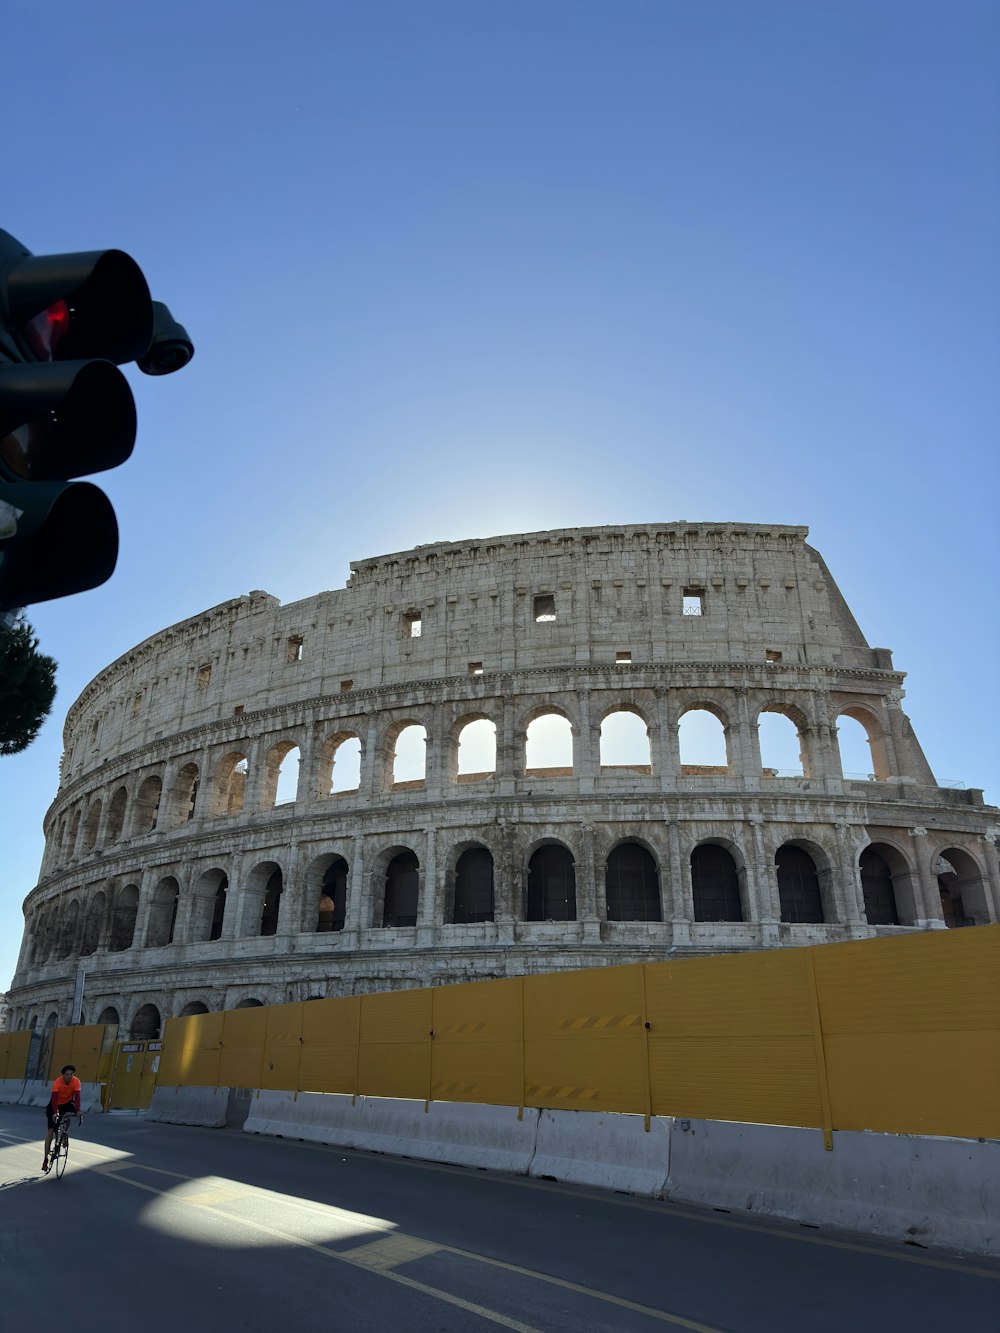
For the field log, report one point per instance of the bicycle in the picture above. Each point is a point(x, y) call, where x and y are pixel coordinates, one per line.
point(59, 1152)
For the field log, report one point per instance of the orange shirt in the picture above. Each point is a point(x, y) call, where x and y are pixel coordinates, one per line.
point(64, 1092)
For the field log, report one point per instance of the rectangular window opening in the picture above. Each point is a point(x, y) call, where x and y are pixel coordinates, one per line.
point(412, 625)
point(295, 647)
point(623, 657)
point(544, 608)
point(346, 686)
point(693, 602)
point(773, 655)
point(204, 676)
point(475, 668)
point(238, 710)
point(136, 705)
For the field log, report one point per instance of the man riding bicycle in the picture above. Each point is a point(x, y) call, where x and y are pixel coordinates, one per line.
point(63, 1100)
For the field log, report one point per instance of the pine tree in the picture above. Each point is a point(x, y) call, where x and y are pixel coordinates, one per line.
point(27, 687)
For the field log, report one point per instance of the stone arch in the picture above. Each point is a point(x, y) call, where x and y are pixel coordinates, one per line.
point(783, 750)
point(229, 783)
point(109, 1015)
point(68, 929)
point(282, 765)
point(549, 736)
point(193, 1007)
point(249, 1002)
point(146, 1023)
point(326, 881)
point(632, 883)
point(875, 735)
point(124, 910)
point(261, 899)
point(805, 883)
point(163, 913)
point(184, 795)
point(74, 832)
point(718, 881)
point(145, 809)
point(341, 758)
point(470, 891)
point(624, 740)
point(208, 907)
point(116, 816)
point(473, 752)
point(407, 742)
point(704, 745)
point(550, 893)
point(961, 882)
point(91, 824)
point(396, 875)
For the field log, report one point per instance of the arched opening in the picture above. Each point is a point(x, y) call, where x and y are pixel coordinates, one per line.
point(146, 1024)
point(147, 806)
point(862, 748)
point(116, 816)
point(250, 1003)
point(548, 748)
point(163, 913)
point(109, 1016)
point(91, 825)
point(409, 756)
point(632, 884)
point(41, 939)
point(184, 795)
point(192, 1008)
point(551, 884)
point(123, 914)
point(272, 904)
point(68, 929)
point(473, 886)
point(402, 890)
point(477, 749)
point(715, 884)
point(624, 743)
point(208, 906)
point(52, 1021)
point(281, 775)
point(345, 765)
point(229, 787)
point(962, 889)
point(74, 833)
point(879, 892)
point(798, 886)
point(782, 746)
point(333, 896)
point(93, 924)
point(219, 911)
point(701, 736)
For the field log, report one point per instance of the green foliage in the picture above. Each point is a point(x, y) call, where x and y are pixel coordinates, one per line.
point(27, 687)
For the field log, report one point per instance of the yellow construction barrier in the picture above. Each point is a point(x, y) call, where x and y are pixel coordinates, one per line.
point(900, 1035)
point(14, 1048)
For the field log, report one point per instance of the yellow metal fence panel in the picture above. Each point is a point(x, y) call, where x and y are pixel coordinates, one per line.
point(330, 1045)
point(192, 1048)
point(395, 1056)
point(282, 1046)
point(81, 1046)
point(243, 1034)
point(14, 1048)
point(476, 1053)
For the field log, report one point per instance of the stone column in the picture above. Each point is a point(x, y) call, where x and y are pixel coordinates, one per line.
point(147, 884)
point(769, 901)
point(586, 758)
point(931, 915)
point(503, 885)
point(309, 753)
point(586, 887)
point(847, 880)
point(992, 885)
point(355, 919)
point(436, 779)
point(253, 793)
point(507, 757)
point(372, 780)
point(235, 895)
point(746, 758)
point(428, 906)
point(667, 756)
point(681, 897)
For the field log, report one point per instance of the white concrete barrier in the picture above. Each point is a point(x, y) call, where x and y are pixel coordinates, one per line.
point(38, 1091)
point(934, 1191)
point(11, 1090)
point(189, 1106)
point(600, 1148)
point(463, 1134)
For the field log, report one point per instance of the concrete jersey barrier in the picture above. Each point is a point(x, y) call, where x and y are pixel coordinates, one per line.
point(189, 1106)
point(600, 1148)
point(36, 1092)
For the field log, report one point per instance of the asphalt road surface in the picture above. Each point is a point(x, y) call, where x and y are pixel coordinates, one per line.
point(162, 1229)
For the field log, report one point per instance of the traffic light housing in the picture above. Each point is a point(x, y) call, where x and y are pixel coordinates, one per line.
point(66, 411)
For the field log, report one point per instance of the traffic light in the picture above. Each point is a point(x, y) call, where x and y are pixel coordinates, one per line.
point(66, 323)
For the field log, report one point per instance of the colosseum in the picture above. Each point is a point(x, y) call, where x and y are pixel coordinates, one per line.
point(475, 760)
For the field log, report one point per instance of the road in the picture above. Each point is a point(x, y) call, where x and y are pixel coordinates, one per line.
point(163, 1229)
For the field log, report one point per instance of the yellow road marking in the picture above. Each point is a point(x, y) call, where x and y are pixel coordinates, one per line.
point(392, 1251)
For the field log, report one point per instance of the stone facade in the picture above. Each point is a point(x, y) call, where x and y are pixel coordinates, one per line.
point(174, 879)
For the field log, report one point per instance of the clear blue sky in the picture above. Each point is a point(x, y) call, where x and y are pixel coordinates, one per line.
point(460, 267)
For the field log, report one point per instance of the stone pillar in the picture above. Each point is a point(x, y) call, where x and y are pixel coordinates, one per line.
point(235, 895)
point(356, 919)
point(586, 887)
point(309, 752)
point(992, 885)
point(930, 895)
point(503, 885)
point(507, 755)
point(769, 901)
point(681, 898)
point(746, 758)
point(253, 793)
point(372, 780)
point(666, 756)
point(436, 779)
point(428, 905)
point(847, 881)
point(586, 754)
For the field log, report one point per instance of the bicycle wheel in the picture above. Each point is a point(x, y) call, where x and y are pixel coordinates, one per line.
point(62, 1154)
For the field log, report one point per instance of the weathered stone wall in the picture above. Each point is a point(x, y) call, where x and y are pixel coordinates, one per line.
point(129, 831)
